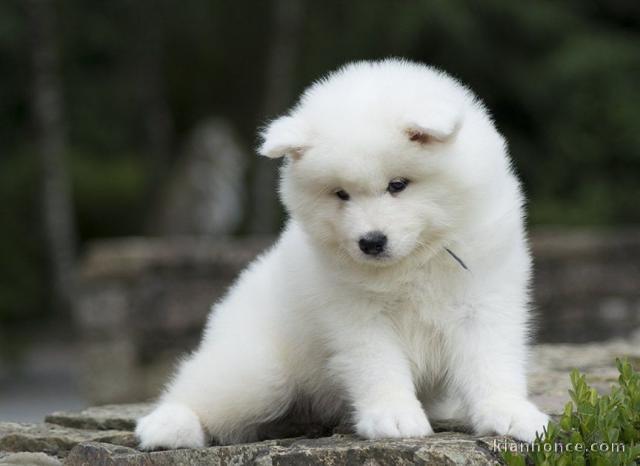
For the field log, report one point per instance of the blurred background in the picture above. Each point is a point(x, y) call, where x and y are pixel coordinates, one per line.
point(130, 192)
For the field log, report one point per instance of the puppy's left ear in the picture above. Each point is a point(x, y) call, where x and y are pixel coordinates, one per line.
point(284, 136)
point(434, 129)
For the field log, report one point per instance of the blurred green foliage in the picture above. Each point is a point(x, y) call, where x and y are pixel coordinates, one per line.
point(561, 78)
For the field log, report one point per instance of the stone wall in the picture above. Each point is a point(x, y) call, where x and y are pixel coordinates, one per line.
point(587, 284)
point(143, 301)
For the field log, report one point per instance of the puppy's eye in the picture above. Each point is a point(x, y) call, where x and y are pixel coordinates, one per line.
point(396, 185)
point(342, 195)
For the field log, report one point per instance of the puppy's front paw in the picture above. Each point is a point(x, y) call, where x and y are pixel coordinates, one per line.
point(520, 419)
point(393, 420)
point(170, 425)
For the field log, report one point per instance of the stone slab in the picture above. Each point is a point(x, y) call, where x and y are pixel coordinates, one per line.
point(439, 449)
point(55, 440)
point(549, 380)
point(117, 417)
point(28, 459)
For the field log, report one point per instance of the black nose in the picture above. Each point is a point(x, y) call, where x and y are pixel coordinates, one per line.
point(373, 243)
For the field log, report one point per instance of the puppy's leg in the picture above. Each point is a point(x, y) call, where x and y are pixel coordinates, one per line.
point(224, 389)
point(376, 374)
point(489, 370)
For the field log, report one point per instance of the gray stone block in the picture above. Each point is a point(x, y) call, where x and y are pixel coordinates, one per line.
point(107, 417)
point(53, 439)
point(439, 449)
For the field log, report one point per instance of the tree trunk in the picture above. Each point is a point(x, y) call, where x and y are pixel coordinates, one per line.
point(148, 61)
point(283, 53)
point(47, 114)
point(158, 120)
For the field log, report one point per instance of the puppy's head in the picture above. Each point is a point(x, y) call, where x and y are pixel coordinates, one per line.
point(384, 160)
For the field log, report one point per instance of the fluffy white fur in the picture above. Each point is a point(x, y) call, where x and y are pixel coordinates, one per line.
point(393, 340)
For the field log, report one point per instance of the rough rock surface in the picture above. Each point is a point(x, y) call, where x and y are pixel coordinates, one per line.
point(26, 458)
point(549, 376)
point(102, 435)
point(117, 417)
point(55, 440)
point(439, 449)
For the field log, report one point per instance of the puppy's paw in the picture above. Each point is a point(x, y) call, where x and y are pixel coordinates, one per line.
point(526, 425)
point(170, 425)
point(393, 420)
point(520, 419)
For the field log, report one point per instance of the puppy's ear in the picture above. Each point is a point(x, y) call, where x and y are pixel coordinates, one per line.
point(436, 129)
point(284, 136)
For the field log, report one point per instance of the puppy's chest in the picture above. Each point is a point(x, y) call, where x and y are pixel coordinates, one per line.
point(424, 341)
point(424, 300)
point(423, 316)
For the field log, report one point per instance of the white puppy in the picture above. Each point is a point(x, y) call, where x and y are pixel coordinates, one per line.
point(397, 292)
